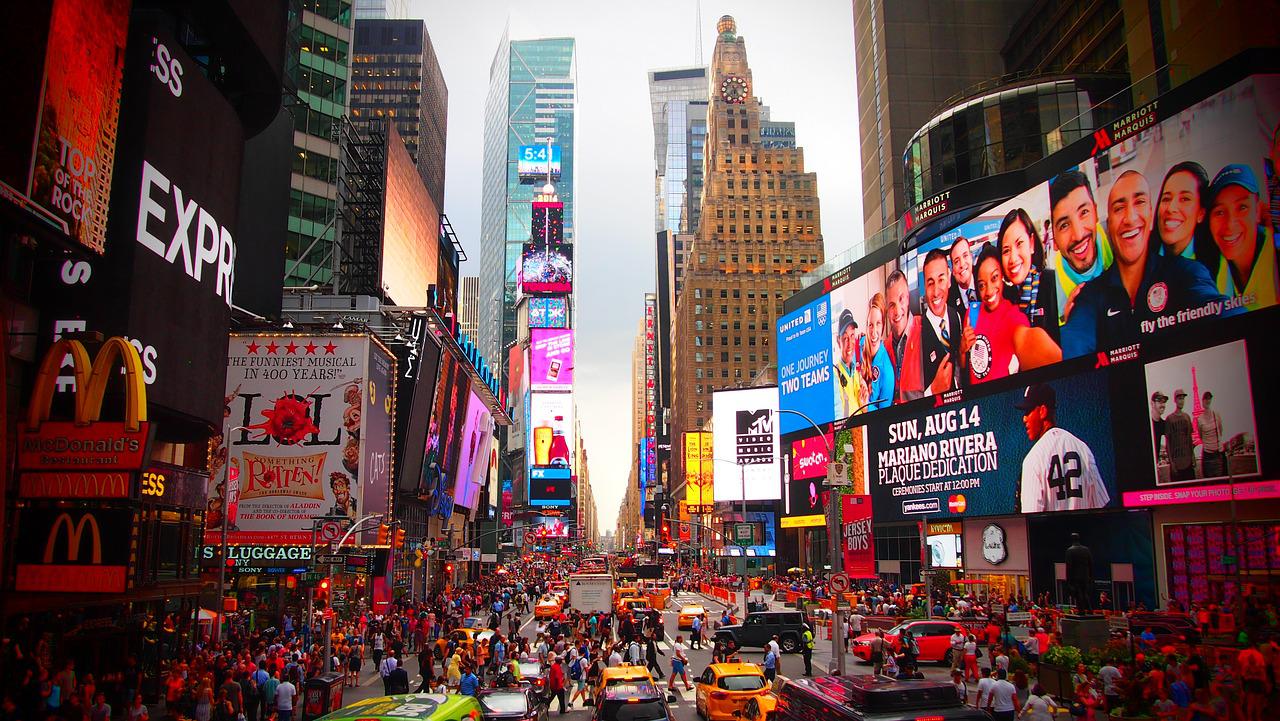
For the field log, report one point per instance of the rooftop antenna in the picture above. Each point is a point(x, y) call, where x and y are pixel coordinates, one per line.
point(697, 22)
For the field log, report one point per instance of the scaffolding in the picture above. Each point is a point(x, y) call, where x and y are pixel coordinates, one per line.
point(361, 176)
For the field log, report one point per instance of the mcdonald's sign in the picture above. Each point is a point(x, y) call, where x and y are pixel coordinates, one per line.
point(86, 443)
point(73, 550)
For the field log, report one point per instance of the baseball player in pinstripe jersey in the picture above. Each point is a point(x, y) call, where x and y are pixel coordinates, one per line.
point(1059, 473)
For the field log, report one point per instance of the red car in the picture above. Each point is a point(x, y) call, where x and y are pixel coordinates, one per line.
point(933, 637)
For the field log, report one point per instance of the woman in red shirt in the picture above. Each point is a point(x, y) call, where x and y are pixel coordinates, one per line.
point(1002, 341)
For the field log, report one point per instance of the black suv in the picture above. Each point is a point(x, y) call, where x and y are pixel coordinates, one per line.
point(633, 702)
point(760, 627)
point(871, 698)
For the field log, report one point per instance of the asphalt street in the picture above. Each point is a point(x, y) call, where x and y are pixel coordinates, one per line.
point(683, 708)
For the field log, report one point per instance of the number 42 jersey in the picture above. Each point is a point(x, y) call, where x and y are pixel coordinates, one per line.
point(1060, 474)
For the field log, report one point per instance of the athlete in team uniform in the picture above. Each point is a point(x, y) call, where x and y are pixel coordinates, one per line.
point(1059, 472)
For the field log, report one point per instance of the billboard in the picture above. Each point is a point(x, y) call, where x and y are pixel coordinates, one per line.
point(547, 224)
point(550, 487)
point(307, 433)
point(551, 359)
point(806, 494)
point(1155, 231)
point(1043, 448)
point(537, 164)
point(551, 430)
point(699, 488)
point(62, 145)
point(857, 544)
point(745, 444)
point(410, 229)
point(546, 269)
point(548, 312)
point(754, 532)
point(73, 550)
point(553, 527)
point(444, 433)
point(473, 454)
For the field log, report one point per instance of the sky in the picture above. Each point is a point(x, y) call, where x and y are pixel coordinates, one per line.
point(802, 63)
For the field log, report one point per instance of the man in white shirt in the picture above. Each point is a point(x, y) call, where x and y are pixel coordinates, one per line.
point(1059, 473)
point(1004, 698)
point(1110, 675)
point(777, 650)
point(634, 653)
point(985, 685)
point(385, 668)
point(286, 694)
point(1032, 644)
point(957, 649)
point(615, 658)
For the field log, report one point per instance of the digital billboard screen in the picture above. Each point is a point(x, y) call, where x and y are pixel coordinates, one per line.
point(473, 456)
point(1046, 447)
point(745, 442)
point(547, 224)
point(550, 487)
point(698, 473)
point(410, 228)
point(551, 430)
point(806, 503)
point(538, 164)
point(546, 269)
point(548, 312)
point(551, 359)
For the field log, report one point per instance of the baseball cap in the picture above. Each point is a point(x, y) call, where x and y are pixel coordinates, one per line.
point(1038, 394)
point(846, 320)
point(1234, 174)
point(1159, 397)
point(1179, 392)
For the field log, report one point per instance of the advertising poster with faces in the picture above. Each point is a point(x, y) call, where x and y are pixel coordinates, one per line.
point(860, 356)
point(298, 412)
point(473, 456)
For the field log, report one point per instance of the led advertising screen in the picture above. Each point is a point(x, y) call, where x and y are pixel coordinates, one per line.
point(1046, 447)
point(699, 485)
point(71, 130)
point(536, 164)
point(546, 269)
point(745, 442)
point(440, 463)
point(862, 369)
point(754, 532)
point(858, 543)
point(805, 372)
point(554, 527)
point(551, 430)
point(547, 224)
point(551, 359)
point(805, 492)
point(548, 312)
point(550, 487)
point(410, 229)
point(473, 456)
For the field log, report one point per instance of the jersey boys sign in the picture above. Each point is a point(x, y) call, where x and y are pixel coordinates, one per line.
point(1032, 449)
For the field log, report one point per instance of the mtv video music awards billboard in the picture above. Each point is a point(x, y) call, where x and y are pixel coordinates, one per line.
point(546, 269)
point(1046, 447)
point(745, 444)
point(551, 359)
point(535, 162)
point(308, 434)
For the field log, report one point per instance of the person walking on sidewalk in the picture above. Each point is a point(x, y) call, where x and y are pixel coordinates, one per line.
point(651, 653)
point(679, 660)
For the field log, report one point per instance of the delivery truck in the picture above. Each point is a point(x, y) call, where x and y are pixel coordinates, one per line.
point(591, 592)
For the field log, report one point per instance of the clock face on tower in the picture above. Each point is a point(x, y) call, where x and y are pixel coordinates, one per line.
point(734, 89)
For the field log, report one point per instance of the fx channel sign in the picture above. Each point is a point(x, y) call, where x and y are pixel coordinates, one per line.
point(745, 436)
point(804, 365)
point(1040, 448)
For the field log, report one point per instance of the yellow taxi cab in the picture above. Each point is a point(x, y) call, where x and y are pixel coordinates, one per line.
point(560, 588)
point(724, 690)
point(684, 621)
point(618, 675)
point(625, 592)
point(467, 637)
point(630, 605)
point(402, 707)
point(548, 607)
point(659, 593)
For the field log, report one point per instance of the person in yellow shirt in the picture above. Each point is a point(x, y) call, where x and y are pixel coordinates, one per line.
point(851, 390)
point(1248, 266)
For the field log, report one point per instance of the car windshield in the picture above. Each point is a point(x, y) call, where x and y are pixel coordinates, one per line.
point(896, 629)
point(505, 703)
point(634, 711)
point(741, 683)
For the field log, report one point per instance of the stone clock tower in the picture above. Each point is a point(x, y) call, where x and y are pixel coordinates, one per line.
point(760, 230)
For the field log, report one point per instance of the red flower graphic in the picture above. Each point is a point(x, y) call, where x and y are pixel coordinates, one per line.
point(288, 421)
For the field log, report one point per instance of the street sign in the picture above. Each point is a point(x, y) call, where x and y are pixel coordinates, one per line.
point(330, 531)
point(311, 576)
point(330, 558)
point(358, 564)
point(840, 582)
point(1015, 616)
point(744, 534)
point(1118, 622)
point(529, 537)
point(997, 608)
point(1228, 560)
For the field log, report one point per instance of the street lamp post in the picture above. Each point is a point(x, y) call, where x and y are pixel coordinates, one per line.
point(226, 521)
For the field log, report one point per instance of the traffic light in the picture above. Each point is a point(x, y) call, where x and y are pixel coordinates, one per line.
point(399, 539)
point(322, 589)
point(666, 532)
point(384, 535)
point(448, 568)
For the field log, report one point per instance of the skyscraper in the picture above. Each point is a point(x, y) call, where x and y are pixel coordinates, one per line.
point(469, 305)
point(760, 229)
point(396, 76)
point(321, 73)
point(531, 101)
point(670, 93)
